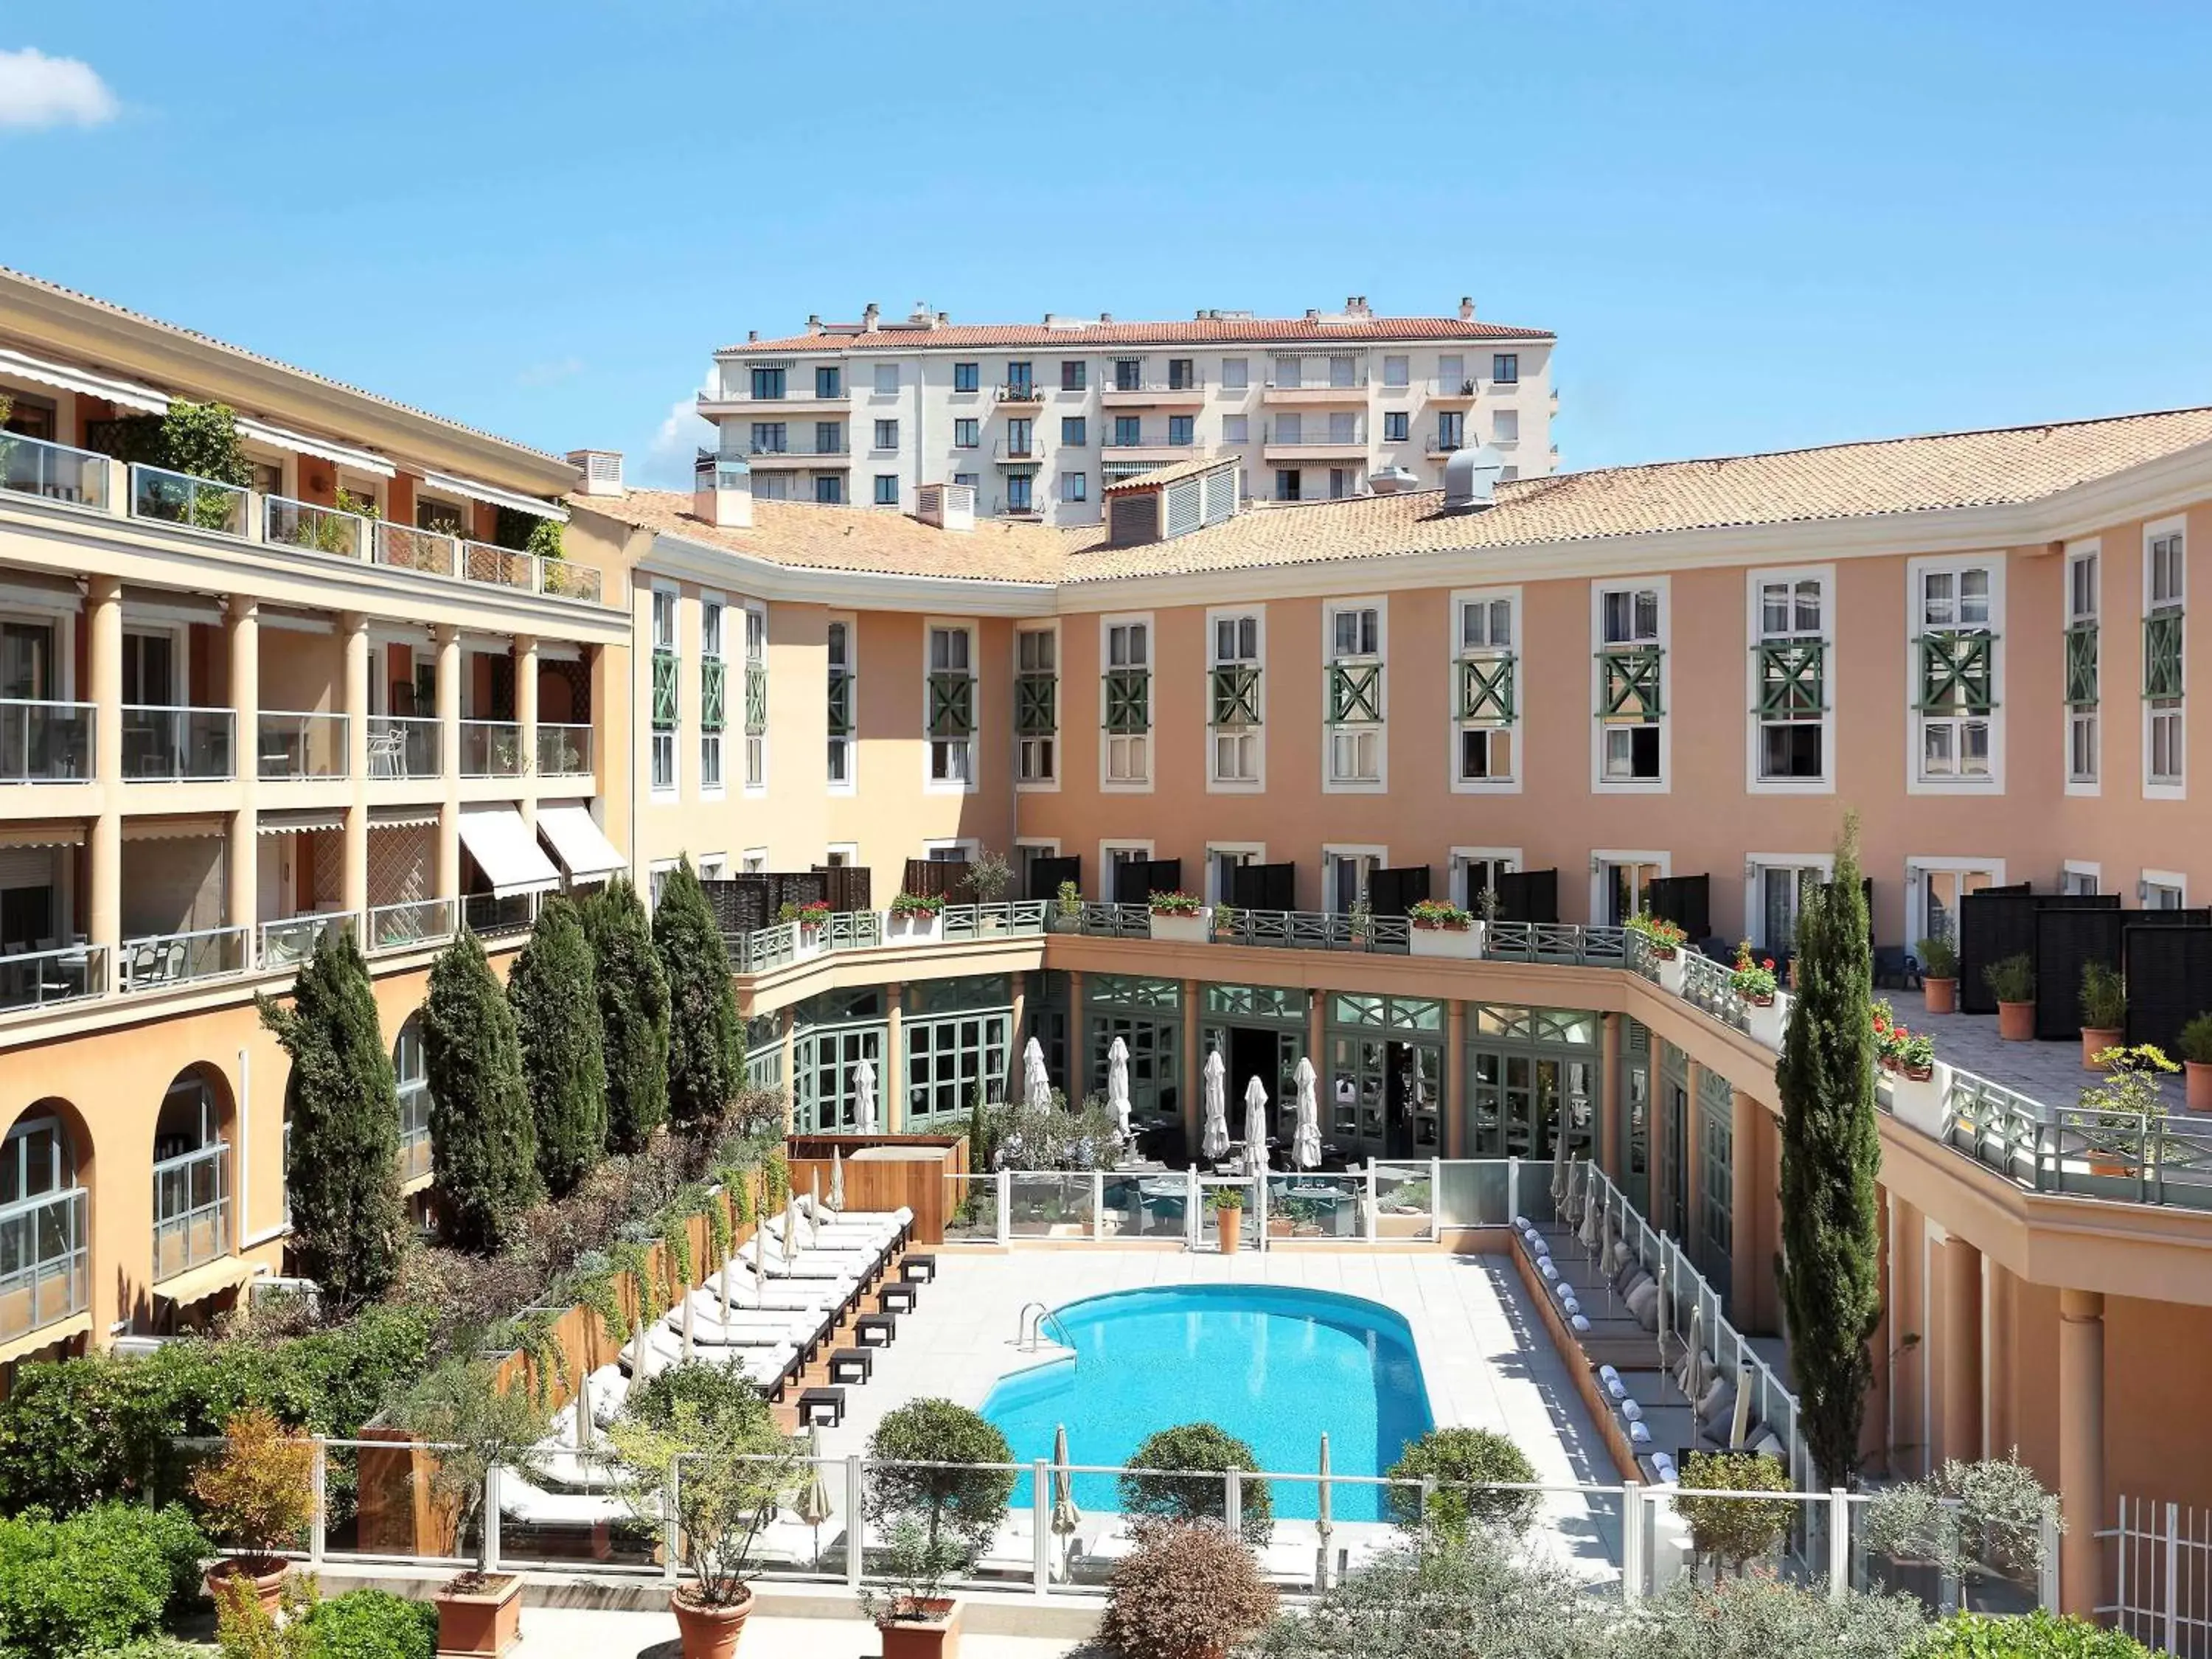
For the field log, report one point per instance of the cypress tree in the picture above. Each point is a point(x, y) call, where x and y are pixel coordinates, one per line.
point(483, 1146)
point(1831, 1154)
point(343, 1172)
point(706, 1042)
point(556, 1015)
point(633, 1014)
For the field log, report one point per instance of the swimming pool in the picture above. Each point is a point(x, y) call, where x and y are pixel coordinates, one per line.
point(1273, 1365)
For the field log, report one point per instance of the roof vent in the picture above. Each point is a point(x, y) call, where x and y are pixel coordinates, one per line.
point(1466, 308)
point(721, 491)
point(813, 322)
point(871, 319)
point(1470, 476)
point(1389, 480)
point(922, 313)
point(602, 471)
point(948, 506)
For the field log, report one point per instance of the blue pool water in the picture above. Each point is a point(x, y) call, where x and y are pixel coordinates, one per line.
point(1272, 1366)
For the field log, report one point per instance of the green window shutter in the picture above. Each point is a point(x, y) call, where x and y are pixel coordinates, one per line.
point(1128, 700)
point(1793, 680)
point(2081, 665)
point(1631, 685)
point(666, 680)
point(711, 677)
point(1236, 695)
point(2162, 679)
point(1355, 692)
point(1036, 705)
point(1956, 671)
point(756, 699)
point(951, 705)
point(1485, 690)
point(841, 705)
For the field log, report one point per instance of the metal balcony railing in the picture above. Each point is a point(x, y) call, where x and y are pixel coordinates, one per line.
point(405, 549)
point(488, 914)
point(409, 924)
point(317, 529)
point(300, 747)
point(168, 743)
point(54, 472)
point(1153, 439)
point(292, 940)
point(192, 1209)
point(179, 498)
point(564, 751)
point(404, 746)
point(773, 446)
point(491, 748)
point(159, 961)
point(37, 979)
point(498, 567)
point(44, 742)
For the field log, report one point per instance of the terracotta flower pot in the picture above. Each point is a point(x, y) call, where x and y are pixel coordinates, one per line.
point(2196, 1079)
point(1941, 996)
point(1227, 1227)
point(479, 1614)
point(2016, 1022)
point(710, 1632)
point(937, 1637)
point(2094, 1041)
point(266, 1573)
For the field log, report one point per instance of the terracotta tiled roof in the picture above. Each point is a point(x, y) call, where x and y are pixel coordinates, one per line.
point(1167, 474)
point(1078, 337)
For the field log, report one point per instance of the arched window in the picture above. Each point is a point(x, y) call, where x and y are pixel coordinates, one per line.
point(44, 1272)
point(191, 1174)
point(414, 1080)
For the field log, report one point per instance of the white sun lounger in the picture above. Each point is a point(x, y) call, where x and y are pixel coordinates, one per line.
point(902, 1215)
point(749, 1290)
point(810, 1264)
point(769, 1367)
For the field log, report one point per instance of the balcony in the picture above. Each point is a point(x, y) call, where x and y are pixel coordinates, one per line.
point(318, 529)
point(1021, 392)
point(292, 940)
point(180, 498)
point(54, 472)
point(734, 403)
point(165, 743)
point(43, 742)
point(192, 1209)
point(564, 751)
point(491, 748)
point(1449, 395)
point(1444, 442)
point(40, 979)
point(773, 453)
point(404, 746)
point(403, 549)
point(409, 926)
point(1153, 446)
point(160, 962)
point(497, 567)
point(1018, 452)
point(1170, 394)
point(489, 916)
point(1279, 393)
point(300, 748)
point(1001, 507)
point(1282, 442)
point(44, 1272)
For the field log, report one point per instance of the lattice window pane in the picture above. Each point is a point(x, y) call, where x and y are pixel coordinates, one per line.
point(1037, 704)
point(667, 681)
point(2162, 675)
point(951, 705)
point(1128, 700)
point(1355, 692)
point(1956, 671)
point(710, 694)
point(756, 700)
point(1485, 690)
point(1631, 683)
point(1236, 696)
point(2081, 665)
point(1793, 680)
point(841, 705)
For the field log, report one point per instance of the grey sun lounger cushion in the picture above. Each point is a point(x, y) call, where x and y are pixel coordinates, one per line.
point(1716, 1411)
point(1643, 1303)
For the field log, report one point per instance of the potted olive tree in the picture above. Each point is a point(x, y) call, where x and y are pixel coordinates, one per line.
point(1227, 1204)
point(989, 875)
point(258, 1497)
point(2104, 1013)
point(2011, 982)
point(700, 1443)
point(1939, 975)
point(939, 1478)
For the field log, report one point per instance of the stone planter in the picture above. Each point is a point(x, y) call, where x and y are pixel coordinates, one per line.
point(479, 1616)
point(2094, 1041)
point(708, 1633)
point(1671, 971)
point(1769, 1020)
point(936, 1637)
point(1183, 930)
point(1229, 1228)
point(916, 925)
point(2196, 1076)
point(1919, 1101)
point(266, 1573)
point(1462, 943)
point(2016, 1022)
point(1940, 996)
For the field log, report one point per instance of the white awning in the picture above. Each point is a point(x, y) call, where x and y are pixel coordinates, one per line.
point(403, 818)
point(33, 834)
point(124, 394)
point(584, 851)
point(306, 822)
point(361, 460)
point(496, 496)
point(505, 850)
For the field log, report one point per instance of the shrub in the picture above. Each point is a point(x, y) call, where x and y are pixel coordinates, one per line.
point(633, 993)
point(2197, 1040)
point(1435, 913)
point(97, 1580)
point(484, 1144)
point(1167, 1476)
point(1729, 1532)
point(2037, 1635)
point(258, 1494)
point(374, 1624)
point(717, 1391)
point(1761, 1617)
point(246, 1630)
point(1939, 957)
point(1967, 1518)
point(1186, 1591)
point(738, 1469)
point(1020, 1136)
point(959, 1504)
point(556, 1018)
point(706, 1042)
point(1458, 1459)
point(2012, 980)
point(460, 1407)
point(2104, 997)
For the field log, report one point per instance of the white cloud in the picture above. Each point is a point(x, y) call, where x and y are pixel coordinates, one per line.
point(678, 440)
point(37, 91)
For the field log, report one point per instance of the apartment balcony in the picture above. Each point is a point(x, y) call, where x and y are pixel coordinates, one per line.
point(45, 742)
point(404, 746)
point(300, 748)
point(1018, 452)
point(192, 1209)
point(1027, 511)
point(815, 453)
point(792, 403)
point(1300, 444)
point(150, 495)
point(160, 962)
point(411, 925)
point(564, 751)
point(1187, 394)
point(1452, 397)
point(41, 978)
point(292, 940)
point(489, 916)
point(491, 748)
point(1302, 394)
point(1015, 393)
point(1155, 445)
point(45, 1266)
point(1434, 442)
point(163, 743)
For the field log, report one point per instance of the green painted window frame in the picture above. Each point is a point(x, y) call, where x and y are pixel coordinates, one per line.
point(951, 705)
point(1487, 689)
point(841, 703)
point(1235, 695)
point(668, 687)
point(2163, 677)
point(1037, 704)
point(756, 699)
point(1629, 682)
point(1128, 700)
point(1793, 679)
point(2081, 646)
point(711, 679)
point(1355, 693)
point(1957, 672)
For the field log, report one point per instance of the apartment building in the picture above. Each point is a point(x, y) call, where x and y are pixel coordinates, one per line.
point(1039, 420)
point(235, 719)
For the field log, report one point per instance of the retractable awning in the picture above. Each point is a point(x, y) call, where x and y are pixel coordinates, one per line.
point(310, 822)
point(505, 850)
point(34, 833)
point(123, 394)
point(492, 495)
point(402, 817)
point(584, 851)
point(361, 460)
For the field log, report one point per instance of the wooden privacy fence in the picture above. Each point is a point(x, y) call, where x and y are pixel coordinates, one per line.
point(885, 1172)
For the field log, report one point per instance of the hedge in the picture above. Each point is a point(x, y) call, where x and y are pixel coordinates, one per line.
point(94, 1581)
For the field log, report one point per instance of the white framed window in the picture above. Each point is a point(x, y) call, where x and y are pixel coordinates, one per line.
point(1223, 859)
point(1629, 679)
point(1235, 700)
point(1476, 870)
point(1621, 883)
point(1792, 687)
point(887, 376)
point(842, 854)
point(2166, 660)
point(656, 877)
point(753, 861)
point(1354, 648)
point(712, 696)
point(2079, 878)
point(1345, 872)
point(665, 689)
point(1237, 428)
point(1955, 675)
point(1934, 887)
point(2163, 890)
point(2083, 667)
point(1036, 708)
point(950, 692)
point(1774, 889)
point(1235, 374)
point(1125, 697)
point(754, 694)
point(841, 657)
point(1485, 716)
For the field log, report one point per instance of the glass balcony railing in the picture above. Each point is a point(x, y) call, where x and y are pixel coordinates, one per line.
point(167, 743)
point(564, 751)
point(192, 1209)
point(404, 746)
point(414, 1131)
point(180, 498)
point(54, 472)
point(317, 529)
point(564, 579)
point(498, 567)
point(292, 940)
point(37, 978)
point(491, 748)
point(45, 1275)
point(159, 961)
point(45, 742)
point(300, 747)
point(488, 914)
point(406, 549)
point(413, 922)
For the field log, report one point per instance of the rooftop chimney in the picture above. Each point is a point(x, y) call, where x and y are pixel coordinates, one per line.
point(943, 318)
point(1466, 308)
point(870, 318)
point(1313, 314)
point(1105, 316)
point(602, 471)
point(1470, 477)
point(752, 336)
point(1051, 320)
point(921, 313)
point(721, 491)
point(813, 322)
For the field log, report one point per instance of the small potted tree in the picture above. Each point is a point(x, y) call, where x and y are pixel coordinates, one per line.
point(940, 1482)
point(913, 1616)
point(1662, 942)
point(2197, 1061)
point(1188, 1590)
point(1181, 917)
point(989, 875)
point(1478, 1478)
point(1939, 975)
point(2104, 1013)
point(2129, 1108)
point(1438, 929)
point(915, 915)
point(2011, 982)
point(258, 1497)
point(1066, 916)
point(1227, 1204)
point(1733, 1532)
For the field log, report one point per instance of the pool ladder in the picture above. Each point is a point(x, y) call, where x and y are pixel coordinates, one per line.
point(1028, 1334)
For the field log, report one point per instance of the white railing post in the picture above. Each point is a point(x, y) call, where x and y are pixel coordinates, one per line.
point(2046, 1577)
point(1041, 1526)
point(1435, 1198)
point(2172, 1642)
point(488, 1538)
point(1839, 1543)
point(1512, 1189)
point(855, 1543)
point(1098, 1204)
point(671, 1529)
point(1632, 1543)
point(322, 1479)
point(1006, 1207)
point(1233, 1502)
point(1259, 1208)
point(1369, 1207)
point(1190, 1216)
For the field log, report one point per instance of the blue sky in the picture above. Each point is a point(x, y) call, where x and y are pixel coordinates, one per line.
point(1753, 226)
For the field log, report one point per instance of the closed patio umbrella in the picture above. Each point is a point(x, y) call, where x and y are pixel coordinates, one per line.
point(837, 1179)
point(1065, 1517)
point(812, 1507)
point(689, 1339)
point(1255, 1127)
point(1117, 1086)
point(864, 1098)
point(1306, 1150)
point(790, 1232)
point(583, 1409)
point(1214, 1141)
point(1036, 1083)
point(1323, 1523)
point(1562, 1186)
